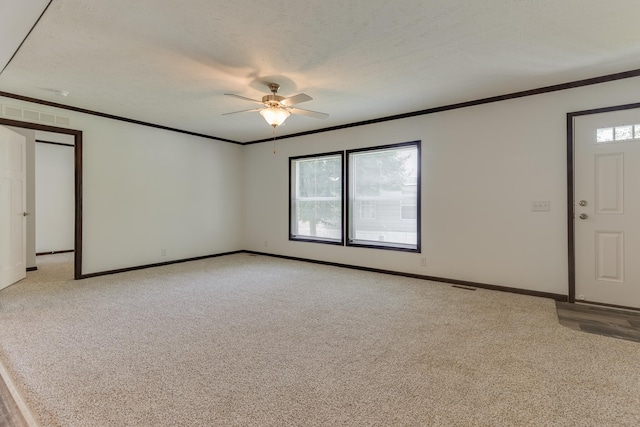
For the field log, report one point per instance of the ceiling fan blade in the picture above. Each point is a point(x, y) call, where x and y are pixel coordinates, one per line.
point(242, 111)
point(309, 113)
point(243, 98)
point(295, 99)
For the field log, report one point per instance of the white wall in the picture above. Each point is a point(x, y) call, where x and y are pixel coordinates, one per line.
point(482, 168)
point(55, 200)
point(147, 189)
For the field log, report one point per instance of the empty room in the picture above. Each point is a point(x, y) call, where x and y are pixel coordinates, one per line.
point(319, 213)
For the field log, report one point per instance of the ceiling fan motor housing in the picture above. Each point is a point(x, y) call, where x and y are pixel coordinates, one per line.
point(272, 100)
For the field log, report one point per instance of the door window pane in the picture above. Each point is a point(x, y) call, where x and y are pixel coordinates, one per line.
point(604, 135)
point(623, 133)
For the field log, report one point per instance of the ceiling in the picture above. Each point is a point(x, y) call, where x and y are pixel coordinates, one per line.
point(170, 62)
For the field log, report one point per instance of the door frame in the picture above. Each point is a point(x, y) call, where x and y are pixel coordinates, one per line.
point(77, 135)
point(571, 189)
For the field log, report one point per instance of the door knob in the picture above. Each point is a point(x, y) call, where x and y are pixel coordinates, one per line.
point(25, 213)
point(584, 216)
point(582, 203)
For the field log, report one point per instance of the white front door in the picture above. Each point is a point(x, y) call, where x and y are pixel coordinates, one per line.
point(607, 207)
point(13, 225)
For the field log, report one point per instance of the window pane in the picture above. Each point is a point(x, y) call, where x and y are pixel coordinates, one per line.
point(623, 133)
point(383, 197)
point(316, 198)
point(604, 135)
point(637, 132)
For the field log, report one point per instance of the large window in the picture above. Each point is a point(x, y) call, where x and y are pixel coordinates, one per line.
point(316, 198)
point(383, 191)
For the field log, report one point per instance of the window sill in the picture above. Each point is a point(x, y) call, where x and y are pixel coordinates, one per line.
point(308, 239)
point(384, 245)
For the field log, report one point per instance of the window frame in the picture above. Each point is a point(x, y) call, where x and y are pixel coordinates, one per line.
point(292, 198)
point(352, 210)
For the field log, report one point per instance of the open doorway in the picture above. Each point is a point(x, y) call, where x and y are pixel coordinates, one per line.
point(54, 193)
point(77, 160)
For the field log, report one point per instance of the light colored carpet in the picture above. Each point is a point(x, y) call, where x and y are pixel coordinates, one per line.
point(242, 340)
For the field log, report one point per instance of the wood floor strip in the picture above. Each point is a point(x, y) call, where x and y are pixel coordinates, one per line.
point(13, 411)
point(10, 415)
point(600, 320)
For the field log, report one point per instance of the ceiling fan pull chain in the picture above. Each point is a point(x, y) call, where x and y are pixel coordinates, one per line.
point(274, 140)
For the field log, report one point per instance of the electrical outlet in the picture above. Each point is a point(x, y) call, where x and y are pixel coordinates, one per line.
point(423, 262)
point(266, 244)
point(163, 252)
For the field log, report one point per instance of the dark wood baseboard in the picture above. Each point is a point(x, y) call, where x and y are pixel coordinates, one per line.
point(54, 252)
point(32, 268)
point(463, 283)
point(466, 283)
point(159, 264)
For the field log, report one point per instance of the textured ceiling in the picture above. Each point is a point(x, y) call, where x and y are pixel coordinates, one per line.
point(169, 62)
point(16, 20)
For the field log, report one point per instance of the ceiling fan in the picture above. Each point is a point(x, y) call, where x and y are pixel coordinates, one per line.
point(277, 108)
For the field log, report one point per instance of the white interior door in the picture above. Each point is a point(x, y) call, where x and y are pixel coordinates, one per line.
point(607, 208)
point(13, 225)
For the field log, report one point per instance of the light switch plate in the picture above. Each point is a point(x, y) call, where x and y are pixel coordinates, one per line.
point(541, 206)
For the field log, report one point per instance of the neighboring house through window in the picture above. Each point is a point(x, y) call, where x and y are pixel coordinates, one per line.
point(384, 187)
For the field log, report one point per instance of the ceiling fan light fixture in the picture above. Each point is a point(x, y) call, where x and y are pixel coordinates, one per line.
point(275, 116)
